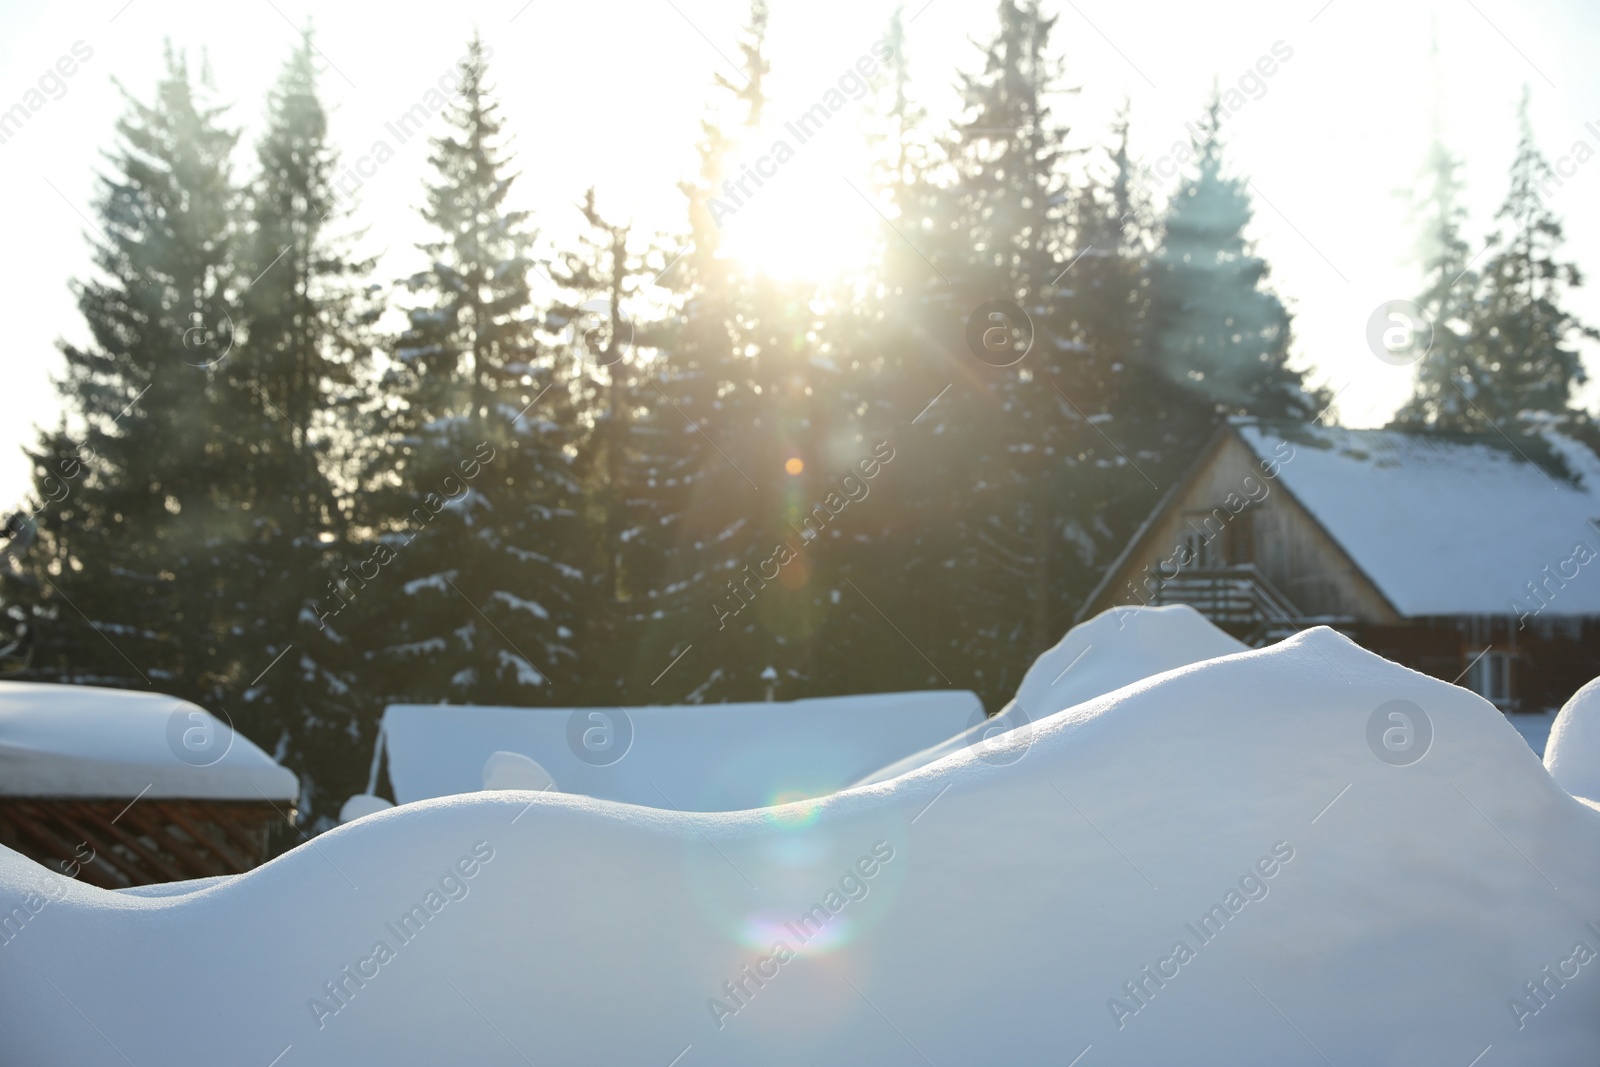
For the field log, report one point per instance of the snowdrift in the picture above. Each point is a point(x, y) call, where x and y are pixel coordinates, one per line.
point(1118, 647)
point(1572, 755)
point(1297, 855)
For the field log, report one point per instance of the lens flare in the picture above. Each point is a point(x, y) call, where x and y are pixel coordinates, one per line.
point(792, 809)
point(809, 933)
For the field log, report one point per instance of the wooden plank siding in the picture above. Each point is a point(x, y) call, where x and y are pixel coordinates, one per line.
point(1259, 532)
point(1250, 518)
point(115, 844)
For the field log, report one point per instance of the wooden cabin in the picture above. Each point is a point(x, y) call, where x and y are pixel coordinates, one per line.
point(1472, 558)
point(125, 789)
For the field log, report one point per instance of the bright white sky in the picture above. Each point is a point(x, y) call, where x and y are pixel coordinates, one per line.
point(610, 93)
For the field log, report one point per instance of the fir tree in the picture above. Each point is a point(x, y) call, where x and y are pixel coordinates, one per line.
point(468, 593)
point(883, 370)
point(1001, 231)
point(632, 460)
point(1144, 426)
point(1518, 357)
point(901, 153)
point(1214, 327)
point(1449, 291)
point(1112, 226)
point(305, 331)
point(127, 570)
point(957, 572)
point(711, 382)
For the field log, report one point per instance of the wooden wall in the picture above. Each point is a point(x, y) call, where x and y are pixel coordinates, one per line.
point(115, 844)
point(1273, 530)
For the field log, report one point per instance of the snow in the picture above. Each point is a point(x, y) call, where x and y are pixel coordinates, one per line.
point(517, 603)
point(1534, 726)
point(513, 770)
point(1409, 510)
point(173, 889)
point(440, 582)
point(527, 673)
point(713, 757)
point(1361, 907)
point(362, 804)
point(1572, 754)
point(425, 647)
point(1115, 648)
point(84, 741)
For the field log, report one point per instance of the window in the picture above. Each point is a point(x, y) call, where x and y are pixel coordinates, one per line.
point(1242, 537)
point(1203, 536)
point(1490, 677)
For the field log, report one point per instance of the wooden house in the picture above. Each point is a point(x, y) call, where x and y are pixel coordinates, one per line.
point(124, 789)
point(1473, 558)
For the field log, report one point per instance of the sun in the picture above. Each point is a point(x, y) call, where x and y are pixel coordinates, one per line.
point(796, 209)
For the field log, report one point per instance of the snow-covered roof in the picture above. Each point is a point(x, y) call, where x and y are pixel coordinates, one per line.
point(84, 741)
point(712, 757)
point(1450, 525)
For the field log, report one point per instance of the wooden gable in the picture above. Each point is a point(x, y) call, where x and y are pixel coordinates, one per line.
point(1231, 514)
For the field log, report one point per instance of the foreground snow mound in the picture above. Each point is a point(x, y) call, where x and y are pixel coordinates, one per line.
point(1299, 855)
point(1117, 647)
point(1572, 755)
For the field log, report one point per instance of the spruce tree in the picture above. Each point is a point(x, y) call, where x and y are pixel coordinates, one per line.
point(881, 378)
point(711, 381)
point(1449, 293)
point(1215, 328)
point(305, 327)
point(127, 571)
point(1109, 276)
point(632, 460)
point(986, 477)
point(901, 150)
point(468, 593)
point(1144, 427)
point(1518, 356)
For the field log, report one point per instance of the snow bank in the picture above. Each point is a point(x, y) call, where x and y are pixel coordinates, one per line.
point(361, 805)
point(1534, 726)
point(83, 741)
point(513, 770)
point(712, 757)
point(1242, 862)
point(1115, 648)
point(1572, 755)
